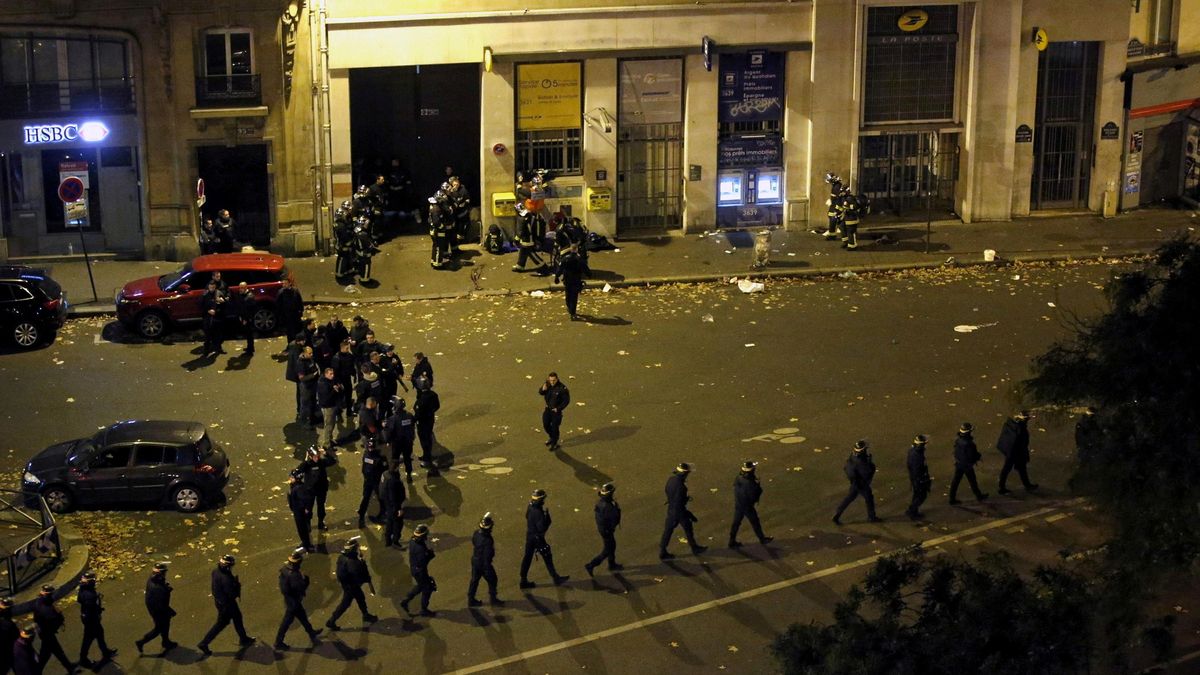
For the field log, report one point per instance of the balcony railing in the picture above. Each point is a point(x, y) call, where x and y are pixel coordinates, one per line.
point(217, 91)
point(26, 99)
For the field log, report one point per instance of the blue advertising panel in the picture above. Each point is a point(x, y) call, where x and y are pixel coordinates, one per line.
point(743, 151)
point(751, 86)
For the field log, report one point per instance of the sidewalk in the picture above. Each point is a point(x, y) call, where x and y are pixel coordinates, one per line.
point(402, 270)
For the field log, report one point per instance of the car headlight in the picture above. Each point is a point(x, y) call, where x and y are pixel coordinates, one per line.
point(30, 478)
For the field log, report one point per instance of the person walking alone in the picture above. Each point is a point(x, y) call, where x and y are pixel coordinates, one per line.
point(557, 397)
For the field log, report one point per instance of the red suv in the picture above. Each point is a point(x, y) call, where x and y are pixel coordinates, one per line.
point(151, 306)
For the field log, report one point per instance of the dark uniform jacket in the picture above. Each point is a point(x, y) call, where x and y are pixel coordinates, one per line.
point(373, 466)
point(1014, 441)
point(608, 515)
point(419, 555)
point(8, 635)
point(966, 455)
point(426, 405)
point(212, 300)
point(746, 490)
point(47, 617)
point(537, 521)
point(89, 604)
point(570, 269)
point(398, 428)
point(483, 548)
point(344, 365)
point(368, 421)
point(358, 332)
point(290, 305)
point(918, 470)
point(352, 571)
point(293, 583)
point(226, 587)
point(557, 396)
point(423, 369)
point(158, 596)
point(860, 469)
point(241, 306)
point(677, 494)
point(25, 657)
point(299, 499)
point(393, 493)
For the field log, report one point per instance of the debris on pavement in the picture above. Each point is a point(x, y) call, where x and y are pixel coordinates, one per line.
point(748, 286)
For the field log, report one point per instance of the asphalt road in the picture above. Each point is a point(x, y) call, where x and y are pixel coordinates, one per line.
point(706, 374)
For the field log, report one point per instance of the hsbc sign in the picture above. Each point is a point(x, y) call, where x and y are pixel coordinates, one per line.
point(89, 132)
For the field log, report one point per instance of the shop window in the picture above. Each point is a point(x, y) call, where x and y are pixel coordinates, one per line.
point(550, 117)
point(47, 74)
point(909, 73)
point(58, 164)
point(227, 69)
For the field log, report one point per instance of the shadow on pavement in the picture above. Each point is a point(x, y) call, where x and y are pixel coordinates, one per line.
point(444, 494)
point(604, 320)
point(588, 475)
point(609, 433)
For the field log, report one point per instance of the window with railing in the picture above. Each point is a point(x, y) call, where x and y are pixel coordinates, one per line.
point(227, 74)
point(909, 71)
point(45, 75)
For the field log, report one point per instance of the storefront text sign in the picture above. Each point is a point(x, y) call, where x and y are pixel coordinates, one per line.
point(739, 152)
point(89, 132)
point(751, 86)
point(549, 96)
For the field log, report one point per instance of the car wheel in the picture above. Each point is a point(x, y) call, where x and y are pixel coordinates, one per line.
point(58, 499)
point(186, 498)
point(151, 325)
point(265, 320)
point(26, 334)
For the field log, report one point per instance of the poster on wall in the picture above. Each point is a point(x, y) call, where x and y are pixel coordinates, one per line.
point(549, 96)
point(651, 92)
point(1191, 161)
point(75, 215)
point(751, 86)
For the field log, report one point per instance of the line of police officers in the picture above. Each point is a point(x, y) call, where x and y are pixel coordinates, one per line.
point(17, 650)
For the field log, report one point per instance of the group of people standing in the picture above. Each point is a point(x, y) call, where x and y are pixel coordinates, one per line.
point(217, 236)
point(845, 209)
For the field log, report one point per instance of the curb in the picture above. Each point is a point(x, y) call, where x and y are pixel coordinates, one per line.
point(705, 278)
point(77, 555)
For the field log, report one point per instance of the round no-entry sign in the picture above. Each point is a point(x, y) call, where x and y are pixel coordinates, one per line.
point(70, 190)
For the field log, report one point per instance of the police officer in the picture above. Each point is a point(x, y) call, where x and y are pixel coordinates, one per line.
point(918, 476)
point(537, 523)
point(419, 556)
point(373, 467)
point(860, 471)
point(352, 573)
point(293, 585)
point(833, 205)
point(746, 493)
point(8, 634)
point(966, 456)
point(49, 621)
point(226, 590)
point(400, 432)
point(90, 609)
point(483, 551)
point(557, 397)
point(25, 659)
point(300, 501)
point(570, 269)
point(1014, 445)
point(425, 413)
point(608, 517)
point(315, 471)
point(678, 514)
point(392, 496)
point(158, 604)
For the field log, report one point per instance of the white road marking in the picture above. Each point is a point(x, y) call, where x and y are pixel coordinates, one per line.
point(1016, 530)
point(976, 541)
point(746, 595)
point(1057, 517)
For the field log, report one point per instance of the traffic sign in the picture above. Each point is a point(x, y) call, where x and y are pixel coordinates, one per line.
point(200, 189)
point(70, 190)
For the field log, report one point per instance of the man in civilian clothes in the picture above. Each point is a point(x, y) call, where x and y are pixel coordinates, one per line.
point(425, 413)
point(344, 364)
point(306, 380)
point(242, 308)
point(289, 306)
point(421, 368)
point(329, 399)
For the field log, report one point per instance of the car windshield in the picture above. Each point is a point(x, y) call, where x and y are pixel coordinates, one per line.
point(81, 453)
point(167, 281)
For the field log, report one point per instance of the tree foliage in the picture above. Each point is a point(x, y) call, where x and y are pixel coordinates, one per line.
point(1139, 364)
point(927, 616)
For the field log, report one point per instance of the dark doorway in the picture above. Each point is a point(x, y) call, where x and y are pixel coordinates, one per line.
point(236, 179)
point(425, 116)
point(1062, 143)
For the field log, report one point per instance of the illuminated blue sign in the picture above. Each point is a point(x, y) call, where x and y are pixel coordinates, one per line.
point(89, 132)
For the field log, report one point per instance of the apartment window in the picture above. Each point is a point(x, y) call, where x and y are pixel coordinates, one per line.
point(45, 75)
point(1162, 17)
point(909, 75)
point(229, 58)
point(550, 117)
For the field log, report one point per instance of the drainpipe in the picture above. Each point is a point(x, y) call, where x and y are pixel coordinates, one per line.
point(318, 188)
point(326, 128)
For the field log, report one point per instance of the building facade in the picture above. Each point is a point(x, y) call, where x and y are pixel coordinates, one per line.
point(654, 115)
point(140, 99)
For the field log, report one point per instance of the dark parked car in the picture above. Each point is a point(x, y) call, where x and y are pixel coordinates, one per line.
point(139, 461)
point(32, 305)
point(152, 306)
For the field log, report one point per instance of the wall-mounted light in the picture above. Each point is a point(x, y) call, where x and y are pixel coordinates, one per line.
point(487, 59)
point(599, 119)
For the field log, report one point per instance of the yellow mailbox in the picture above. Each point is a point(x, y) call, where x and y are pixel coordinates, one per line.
point(599, 199)
point(504, 204)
